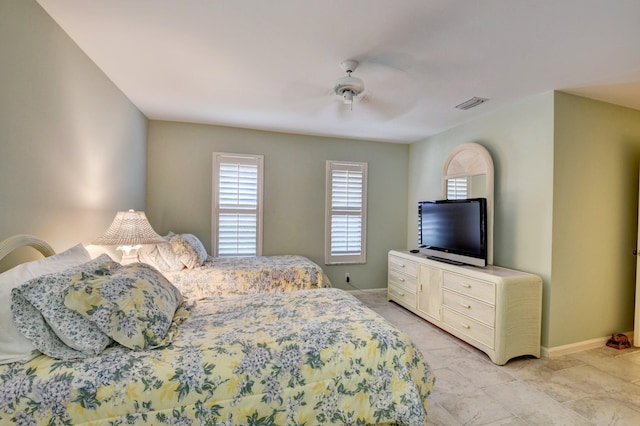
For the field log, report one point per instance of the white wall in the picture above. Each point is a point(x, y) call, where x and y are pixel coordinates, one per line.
point(72, 146)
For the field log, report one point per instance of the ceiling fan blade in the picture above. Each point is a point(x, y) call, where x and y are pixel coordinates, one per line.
point(384, 109)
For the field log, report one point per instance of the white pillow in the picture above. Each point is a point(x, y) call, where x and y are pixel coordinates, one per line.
point(161, 256)
point(13, 345)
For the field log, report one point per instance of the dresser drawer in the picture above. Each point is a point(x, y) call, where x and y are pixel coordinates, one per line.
point(407, 266)
point(403, 280)
point(470, 307)
point(482, 290)
point(470, 328)
point(402, 295)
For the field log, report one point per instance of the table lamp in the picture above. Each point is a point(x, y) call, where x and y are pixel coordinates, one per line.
point(129, 231)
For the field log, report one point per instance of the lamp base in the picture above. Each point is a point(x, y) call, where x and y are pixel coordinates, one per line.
point(129, 254)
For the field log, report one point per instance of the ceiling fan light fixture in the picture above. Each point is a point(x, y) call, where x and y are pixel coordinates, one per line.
point(348, 87)
point(348, 97)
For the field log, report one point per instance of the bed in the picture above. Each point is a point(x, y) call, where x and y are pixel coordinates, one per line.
point(300, 357)
point(184, 261)
point(245, 275)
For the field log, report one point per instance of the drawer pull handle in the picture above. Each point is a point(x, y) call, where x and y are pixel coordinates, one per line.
point(401, 279)
point(402, 265)
point(465, 285)
point(464, 305)
point(398, 293)
point(467, 326)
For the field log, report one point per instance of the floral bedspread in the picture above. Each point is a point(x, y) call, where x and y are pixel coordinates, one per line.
point(305, 357)
point(244, 275)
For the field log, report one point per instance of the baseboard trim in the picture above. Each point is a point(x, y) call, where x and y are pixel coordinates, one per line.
point(554, 352)
point(368, 290)
point(558, 351)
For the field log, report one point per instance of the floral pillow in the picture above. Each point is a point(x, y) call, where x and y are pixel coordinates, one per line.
point(41, 316)
point(13, 345)
point(135, 305)
point(189, 249)
point(161, 256)
point(35, 329)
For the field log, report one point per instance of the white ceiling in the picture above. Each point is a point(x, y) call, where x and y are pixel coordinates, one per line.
point(272, 64)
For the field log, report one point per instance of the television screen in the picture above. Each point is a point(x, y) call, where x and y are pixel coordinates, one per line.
point(454, 230)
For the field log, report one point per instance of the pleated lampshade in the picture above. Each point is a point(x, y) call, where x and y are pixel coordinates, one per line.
point(129, 228)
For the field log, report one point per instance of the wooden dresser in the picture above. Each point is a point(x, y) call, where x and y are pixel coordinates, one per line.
point(495, 309)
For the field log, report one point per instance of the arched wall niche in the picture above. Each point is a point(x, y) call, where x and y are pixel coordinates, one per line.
point(472, 161)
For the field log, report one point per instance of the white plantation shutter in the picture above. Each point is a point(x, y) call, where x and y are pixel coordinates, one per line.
point(457, 188)
point(237, 204)
point(346, 212)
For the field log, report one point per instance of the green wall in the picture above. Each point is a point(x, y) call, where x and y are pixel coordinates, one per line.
point(566, 200)
point(179, 190)
point(72, 146)
point(596, 155)
point(520, 140)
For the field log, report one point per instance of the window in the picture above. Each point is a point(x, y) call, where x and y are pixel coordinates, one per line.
point(346, 213)
point(237, 205)
point(458, 188)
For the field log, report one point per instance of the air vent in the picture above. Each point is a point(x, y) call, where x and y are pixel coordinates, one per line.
point(473, 102)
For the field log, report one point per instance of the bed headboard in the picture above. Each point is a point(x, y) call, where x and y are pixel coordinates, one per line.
point(23, 240)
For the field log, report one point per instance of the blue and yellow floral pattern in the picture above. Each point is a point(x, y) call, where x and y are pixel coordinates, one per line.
point(223, 276)
point(41, 316)
point(189, 250)
point(134, 305)
point(306, 357)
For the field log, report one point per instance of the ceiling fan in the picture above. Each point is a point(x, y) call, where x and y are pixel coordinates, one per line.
point(392, 97)
point(348, 87)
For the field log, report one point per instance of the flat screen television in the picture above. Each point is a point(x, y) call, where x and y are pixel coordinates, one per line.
point(454, 231)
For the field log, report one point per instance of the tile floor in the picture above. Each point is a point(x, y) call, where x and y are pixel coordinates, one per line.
point(595, 387)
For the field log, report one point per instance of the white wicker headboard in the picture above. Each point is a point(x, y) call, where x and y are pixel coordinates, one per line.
point(22, 240)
